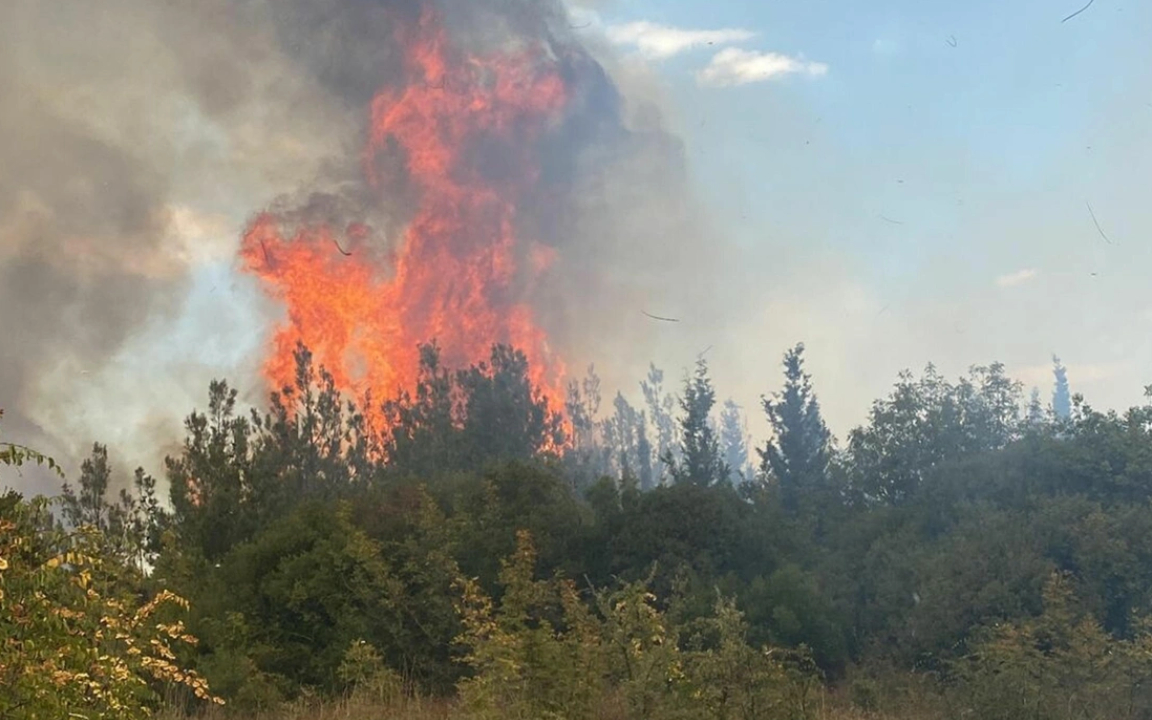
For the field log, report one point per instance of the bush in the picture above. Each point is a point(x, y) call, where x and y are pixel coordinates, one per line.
point(1062, 664)
point(76, 634)
point(541, 652)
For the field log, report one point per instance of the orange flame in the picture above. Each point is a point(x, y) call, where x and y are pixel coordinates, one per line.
point(465, 128)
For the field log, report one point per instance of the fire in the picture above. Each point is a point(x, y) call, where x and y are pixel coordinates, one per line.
point(465, 127)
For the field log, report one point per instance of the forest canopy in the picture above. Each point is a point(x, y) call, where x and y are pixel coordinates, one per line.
point(549, 559)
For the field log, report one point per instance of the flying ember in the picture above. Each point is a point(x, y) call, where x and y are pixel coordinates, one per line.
point(463, 128)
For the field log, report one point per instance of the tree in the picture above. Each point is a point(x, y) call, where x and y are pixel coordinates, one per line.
point(538, 650)
point(460, 420)
point(132, 526)
point(586, 458)
point(89, 506)
point(505, 416)
point(927, 421)
point(1058, 665)
point(626, 436)
point(307, 586)
point(1061, 396)
point(660, 406)
point(701, 462)
point(734, 442)
point(989, 402)
point(421, 438)
point(645, 474)
point(213, 487)
point(311, 443)
point(1034, 417)
point(798, 456)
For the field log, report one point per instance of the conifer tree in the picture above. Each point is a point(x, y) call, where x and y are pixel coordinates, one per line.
point(796, 458)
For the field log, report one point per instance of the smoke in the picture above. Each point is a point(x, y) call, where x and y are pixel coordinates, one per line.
point(123, 123)
point(82, 218)
point(140, 136)
point(614, 196)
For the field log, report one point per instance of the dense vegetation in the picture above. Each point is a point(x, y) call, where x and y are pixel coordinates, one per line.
point(962, 553)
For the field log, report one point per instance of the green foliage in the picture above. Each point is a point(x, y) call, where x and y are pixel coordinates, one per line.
point(626, 437)
point(215, 489)
point(505, 416)
point(326, 558)
point(424, 427)
point(732, 679)
point(585, 459)
point(661, 406)
point(507, 499)
point(75, 634)
point(542, 653)
point(463, 419)
point(790, 610)
point(796, 460)
point(537, 654)
point(363, 673)
point(708, 531)
point(310, 586)
point(312, 444)
point(701, 462)
point(644, 660)
point(929, 421)
point(236, 474)
point(132, 526)
point(1061, 664)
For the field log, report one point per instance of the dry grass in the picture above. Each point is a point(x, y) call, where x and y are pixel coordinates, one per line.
point(349, 709)
point(834, 708)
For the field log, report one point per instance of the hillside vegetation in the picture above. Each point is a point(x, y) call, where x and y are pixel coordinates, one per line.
point(961, 554)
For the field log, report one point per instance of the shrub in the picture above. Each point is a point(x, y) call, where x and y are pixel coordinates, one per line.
point(77, 637)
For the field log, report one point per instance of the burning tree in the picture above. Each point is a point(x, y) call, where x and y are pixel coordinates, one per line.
point(459, 136)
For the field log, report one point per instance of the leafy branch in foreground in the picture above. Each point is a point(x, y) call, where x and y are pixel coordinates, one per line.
point(16, 455)
point(76, 634)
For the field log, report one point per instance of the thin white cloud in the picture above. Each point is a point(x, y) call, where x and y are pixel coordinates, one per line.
point(1017, 278)
point(733, 66)
point(661, 41)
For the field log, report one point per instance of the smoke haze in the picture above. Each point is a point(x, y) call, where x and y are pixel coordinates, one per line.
point(140, 137)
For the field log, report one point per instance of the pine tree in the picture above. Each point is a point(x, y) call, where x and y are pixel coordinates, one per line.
point(660, 406)
point(1061, 396)
point(586, 455)
point(1035, 416)
point(797, 457)
point(733, 440)
point(619, 432)
point(89, 506)
point(644, 454)
point(626, 436)
point(132, 525)
point(701, 462)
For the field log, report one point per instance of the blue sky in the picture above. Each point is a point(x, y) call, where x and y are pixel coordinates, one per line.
point(923, 195)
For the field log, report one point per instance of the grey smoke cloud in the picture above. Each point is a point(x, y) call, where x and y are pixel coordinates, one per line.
point(127, 122)
point(117, 116)
point(81, 223)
